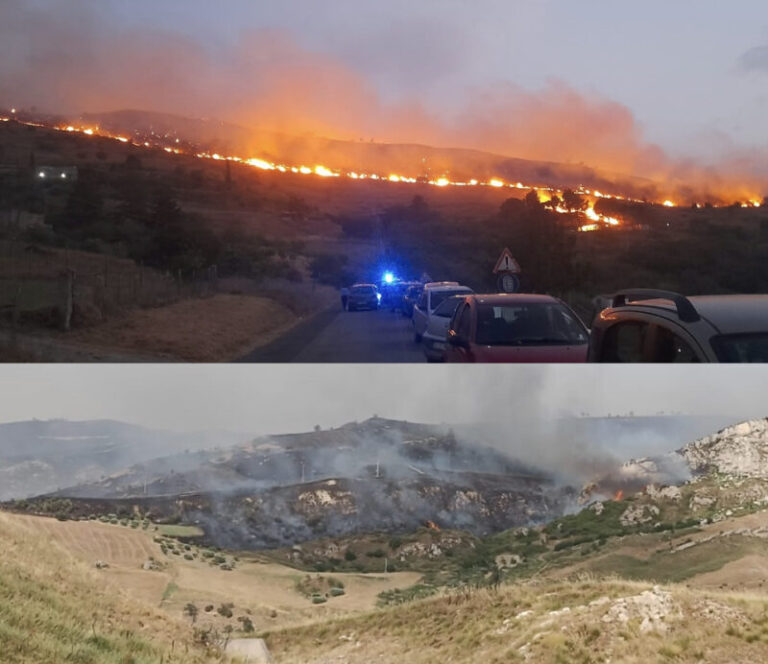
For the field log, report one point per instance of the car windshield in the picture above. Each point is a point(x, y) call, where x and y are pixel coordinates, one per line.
point(363, 290)
point(741, 347)
point(528, 324)
point(447, 307)
point(438, 297)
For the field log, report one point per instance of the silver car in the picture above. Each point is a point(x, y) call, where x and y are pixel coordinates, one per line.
point(661, 326)
point(431, 297)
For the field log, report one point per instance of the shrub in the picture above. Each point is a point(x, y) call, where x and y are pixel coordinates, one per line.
point(337, 592)
point(226, 609)
point(247, 623)
point(350, 555)
point(318, 599)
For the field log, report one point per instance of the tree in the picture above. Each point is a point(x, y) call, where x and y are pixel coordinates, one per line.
point(532, 199)
point(191, 611)
point(542, 244)
point(573, 201)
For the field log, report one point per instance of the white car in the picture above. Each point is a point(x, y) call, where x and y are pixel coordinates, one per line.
point(433, 295)
point(434, 339)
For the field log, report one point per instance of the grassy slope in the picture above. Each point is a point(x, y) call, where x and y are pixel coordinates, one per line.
point(55, 609)
point(487, 626)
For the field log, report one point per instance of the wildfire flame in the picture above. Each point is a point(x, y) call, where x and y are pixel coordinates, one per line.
point(619, 495)
point(432, 525)
point(593, 220)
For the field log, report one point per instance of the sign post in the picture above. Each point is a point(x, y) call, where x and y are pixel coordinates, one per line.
point(507, 270)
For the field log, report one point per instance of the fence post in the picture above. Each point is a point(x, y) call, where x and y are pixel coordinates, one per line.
point(15, 313)
point(69, 297)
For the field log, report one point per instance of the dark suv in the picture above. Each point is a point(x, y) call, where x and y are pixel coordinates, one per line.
point(660, 326)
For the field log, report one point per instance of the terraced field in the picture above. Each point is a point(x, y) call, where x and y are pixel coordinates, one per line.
point(265, 591)
point(92, 540)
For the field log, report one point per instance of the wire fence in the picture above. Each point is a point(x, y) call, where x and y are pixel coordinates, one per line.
point(59, 287)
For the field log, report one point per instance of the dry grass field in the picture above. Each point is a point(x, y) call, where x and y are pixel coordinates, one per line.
point(585, 620)
point(264, 591)
point(56, 608)
point(579, 611)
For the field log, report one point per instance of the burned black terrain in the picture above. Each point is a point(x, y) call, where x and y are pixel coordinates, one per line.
point(378, 475)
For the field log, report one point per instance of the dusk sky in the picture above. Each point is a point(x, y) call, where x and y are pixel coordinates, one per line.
point(689, 69)
point(690, 76)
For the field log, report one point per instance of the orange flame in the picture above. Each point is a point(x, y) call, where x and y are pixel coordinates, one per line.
point(619, 494)
point(592, 220)
point(432, 525)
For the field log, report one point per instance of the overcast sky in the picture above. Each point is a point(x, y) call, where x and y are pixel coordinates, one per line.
point(262, 399)
point(691, 74)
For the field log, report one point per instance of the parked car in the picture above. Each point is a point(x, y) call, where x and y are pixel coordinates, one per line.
point(515, 328)
point(392, 298)
point(434, 338)
point(410, 297)
point(363, 296)
point(661, 326)
point(431, 297)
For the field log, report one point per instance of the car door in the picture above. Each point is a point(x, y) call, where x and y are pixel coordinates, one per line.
point(461, 327)
point(624, 341)
point(420, 313)
point(669, 343)
point(645, 339)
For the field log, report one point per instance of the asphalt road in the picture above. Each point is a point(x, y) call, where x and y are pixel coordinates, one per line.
point(345, 336)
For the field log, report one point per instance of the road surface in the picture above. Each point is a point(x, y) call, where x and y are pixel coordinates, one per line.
point(345, 336)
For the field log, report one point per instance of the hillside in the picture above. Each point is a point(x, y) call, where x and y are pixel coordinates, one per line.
point(40, 456)
point(670, 570)
point(55, 608)
point(375, 475)
point(571, 621)
point(363, 156)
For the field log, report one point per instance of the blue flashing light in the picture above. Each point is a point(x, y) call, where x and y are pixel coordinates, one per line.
point(388, 277)
point(378, 296)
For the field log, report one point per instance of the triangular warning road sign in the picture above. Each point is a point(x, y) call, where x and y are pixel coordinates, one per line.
point(506, 263)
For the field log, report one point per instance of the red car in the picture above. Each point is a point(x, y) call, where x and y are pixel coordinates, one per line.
point(515, 328)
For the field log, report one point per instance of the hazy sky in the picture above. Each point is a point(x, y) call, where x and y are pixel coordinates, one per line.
point(263, 399)
point(693, 73)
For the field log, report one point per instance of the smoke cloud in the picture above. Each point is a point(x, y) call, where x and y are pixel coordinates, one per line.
point(72, 59)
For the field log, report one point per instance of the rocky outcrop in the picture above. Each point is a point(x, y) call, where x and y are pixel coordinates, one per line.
point(740, 451)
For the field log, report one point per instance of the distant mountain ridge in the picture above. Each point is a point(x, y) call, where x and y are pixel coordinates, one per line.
point(39, 456)
point(365, 156)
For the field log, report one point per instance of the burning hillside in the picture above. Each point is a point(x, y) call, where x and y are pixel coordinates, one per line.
point(563, 188)
point(739, 452)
